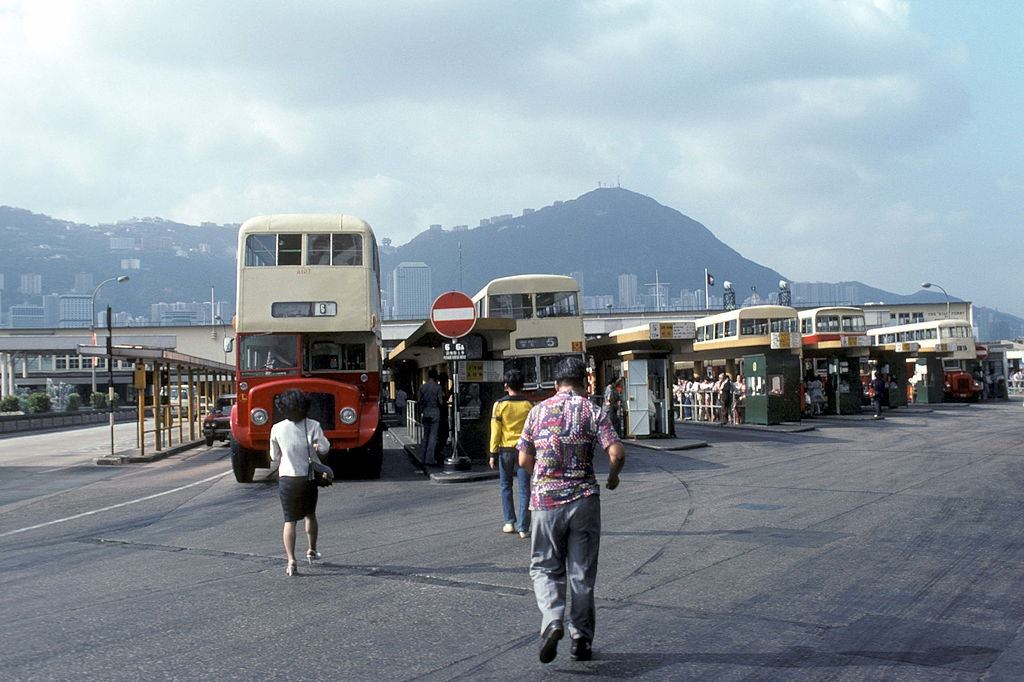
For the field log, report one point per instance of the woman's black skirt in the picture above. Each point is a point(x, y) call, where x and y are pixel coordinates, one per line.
point(298, 497)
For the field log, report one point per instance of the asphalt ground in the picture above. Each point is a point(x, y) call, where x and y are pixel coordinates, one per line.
point(860, 550)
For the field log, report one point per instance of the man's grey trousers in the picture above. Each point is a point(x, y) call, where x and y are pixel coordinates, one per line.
point(565, 543)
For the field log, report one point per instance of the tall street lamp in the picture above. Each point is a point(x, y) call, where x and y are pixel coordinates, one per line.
point(929, 285)
point(92, 320)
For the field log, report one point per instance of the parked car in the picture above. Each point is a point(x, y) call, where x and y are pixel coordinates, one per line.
point(217, 424)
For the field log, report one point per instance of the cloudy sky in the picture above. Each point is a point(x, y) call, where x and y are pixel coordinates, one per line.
point(873, 140)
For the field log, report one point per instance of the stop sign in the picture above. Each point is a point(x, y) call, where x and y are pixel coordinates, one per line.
point(453, 314)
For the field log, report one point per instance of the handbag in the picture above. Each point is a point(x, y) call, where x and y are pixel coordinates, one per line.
point(317, 472)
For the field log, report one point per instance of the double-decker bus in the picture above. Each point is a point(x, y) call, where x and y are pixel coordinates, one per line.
point(549, 325)
point(308, 318)
point(952, 340)
point(833, 328)
point(760, 326)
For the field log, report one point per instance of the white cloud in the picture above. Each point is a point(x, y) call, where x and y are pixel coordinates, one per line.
point(815, 120)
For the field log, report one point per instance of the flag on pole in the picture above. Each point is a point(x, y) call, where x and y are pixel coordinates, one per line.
point(711, 279)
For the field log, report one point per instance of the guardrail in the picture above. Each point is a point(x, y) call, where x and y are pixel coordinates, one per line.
point(13, 423)
point(1015, 388)
point(412, 426)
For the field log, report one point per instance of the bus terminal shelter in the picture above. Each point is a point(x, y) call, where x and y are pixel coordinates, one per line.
point(173, 392)
point(480, 378)
point(642, 357)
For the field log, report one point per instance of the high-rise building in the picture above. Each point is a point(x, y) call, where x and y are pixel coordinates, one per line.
point(27, 317)
point(75, 310)
point(628, 291)
point(31, 283)
point(412, 292)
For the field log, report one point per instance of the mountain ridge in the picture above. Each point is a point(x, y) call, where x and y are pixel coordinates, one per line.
point(600, 234)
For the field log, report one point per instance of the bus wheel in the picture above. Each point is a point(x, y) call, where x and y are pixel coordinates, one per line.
point(374, 455)
point(242, 463)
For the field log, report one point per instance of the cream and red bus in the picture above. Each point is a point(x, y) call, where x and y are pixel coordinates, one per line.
point(308, 318)
point(549, 324)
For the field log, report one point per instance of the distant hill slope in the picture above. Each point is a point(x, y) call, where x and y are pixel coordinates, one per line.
point(177, 262)
point(603, 234)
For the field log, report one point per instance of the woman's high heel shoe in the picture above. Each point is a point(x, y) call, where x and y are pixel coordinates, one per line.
point(313, 555)
point(293, 568)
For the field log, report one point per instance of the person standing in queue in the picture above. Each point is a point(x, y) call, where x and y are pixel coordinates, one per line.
point(876, 391)
point(294, 441)
point(430, 401)
point(557, 446)
point(507, 418)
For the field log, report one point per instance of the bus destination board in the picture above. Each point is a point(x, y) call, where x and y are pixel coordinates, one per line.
point(304, 309)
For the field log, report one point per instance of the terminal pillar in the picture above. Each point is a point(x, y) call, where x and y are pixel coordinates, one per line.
point(931, 380)
point(844, 376)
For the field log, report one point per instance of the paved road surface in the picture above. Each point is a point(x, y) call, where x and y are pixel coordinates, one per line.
point(861, 550)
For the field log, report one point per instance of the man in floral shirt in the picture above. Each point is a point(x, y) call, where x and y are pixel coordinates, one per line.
point(557, 445)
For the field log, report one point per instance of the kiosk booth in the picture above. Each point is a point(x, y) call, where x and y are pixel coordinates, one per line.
point(643, 357)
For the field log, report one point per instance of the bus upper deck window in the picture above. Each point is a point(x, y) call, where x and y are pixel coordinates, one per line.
point(261, 249)
point(346, 249)
point(511, 306)
point(318, 249)
point(289, 249)
point(557, 304)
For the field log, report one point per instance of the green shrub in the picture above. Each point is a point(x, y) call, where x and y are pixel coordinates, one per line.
point(10, 404)
point(37, 403)
point(73, 403)
point(98, 400)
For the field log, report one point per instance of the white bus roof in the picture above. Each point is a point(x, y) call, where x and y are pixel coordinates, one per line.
point(304, 222)
point(527, 284)
point(750, 312)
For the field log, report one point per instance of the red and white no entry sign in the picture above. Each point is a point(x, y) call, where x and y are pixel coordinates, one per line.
point(453, 314)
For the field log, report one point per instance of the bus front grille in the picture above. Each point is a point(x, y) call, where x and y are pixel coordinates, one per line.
point(321, 408)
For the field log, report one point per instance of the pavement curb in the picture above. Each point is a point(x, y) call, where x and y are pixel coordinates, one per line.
point(785, 427)
point(133, 456)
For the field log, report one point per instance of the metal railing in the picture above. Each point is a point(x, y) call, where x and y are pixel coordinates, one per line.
point(412, 426)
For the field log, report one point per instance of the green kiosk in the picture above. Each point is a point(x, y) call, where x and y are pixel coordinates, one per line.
point(772, 387)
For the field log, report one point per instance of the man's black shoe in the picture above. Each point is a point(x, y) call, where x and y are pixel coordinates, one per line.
point(581, 650)
point(549, 647)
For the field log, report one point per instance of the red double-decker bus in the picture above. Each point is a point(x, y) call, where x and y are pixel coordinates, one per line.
point(308, 318)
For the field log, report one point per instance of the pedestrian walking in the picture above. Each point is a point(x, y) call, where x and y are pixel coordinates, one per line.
point(430, 400)
point(294, 442)
point(401, 400)
point(507, 418)
point(613, 404)
point(557, 445)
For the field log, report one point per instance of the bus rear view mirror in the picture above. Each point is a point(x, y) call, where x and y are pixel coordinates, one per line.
point(229, 344)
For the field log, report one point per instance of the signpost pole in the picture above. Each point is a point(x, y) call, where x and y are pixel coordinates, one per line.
point(453, 316)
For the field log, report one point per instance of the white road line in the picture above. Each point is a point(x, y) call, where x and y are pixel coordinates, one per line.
point(113, 506)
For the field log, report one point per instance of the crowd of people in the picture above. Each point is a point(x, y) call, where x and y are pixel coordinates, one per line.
point(706, 399)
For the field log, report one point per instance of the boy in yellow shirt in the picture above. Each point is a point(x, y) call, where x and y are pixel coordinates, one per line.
point(507, 418)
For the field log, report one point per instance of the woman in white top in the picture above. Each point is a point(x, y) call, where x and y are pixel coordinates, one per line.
point(294, 441)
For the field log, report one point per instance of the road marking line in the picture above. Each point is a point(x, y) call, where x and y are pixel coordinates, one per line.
point(113, 506)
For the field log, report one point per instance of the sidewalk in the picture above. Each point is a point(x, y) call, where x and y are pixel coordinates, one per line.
point(667, 444)
point(479, 472)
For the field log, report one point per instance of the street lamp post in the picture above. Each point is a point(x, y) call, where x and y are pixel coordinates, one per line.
point(929, 285)
point(92, 319)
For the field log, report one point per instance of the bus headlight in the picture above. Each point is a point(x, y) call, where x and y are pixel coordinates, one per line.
point(347, 415)
point(259, 416)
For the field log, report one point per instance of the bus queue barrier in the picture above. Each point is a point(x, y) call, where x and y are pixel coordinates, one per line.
point(413, 429)
point(704, 406)
point(1015, 388)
